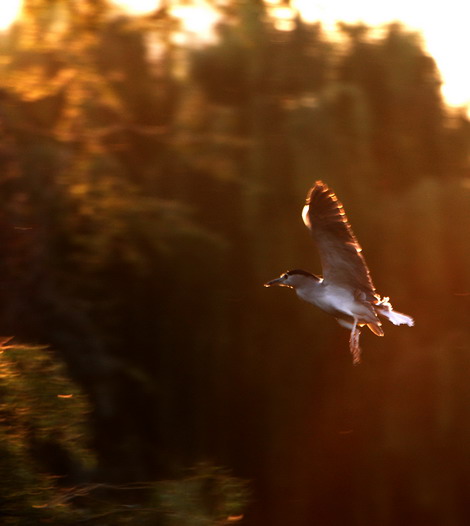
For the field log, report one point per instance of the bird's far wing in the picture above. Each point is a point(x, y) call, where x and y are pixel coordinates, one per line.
point(340, 252)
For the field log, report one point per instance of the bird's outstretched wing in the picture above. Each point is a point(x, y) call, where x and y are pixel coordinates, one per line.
point(340, 252)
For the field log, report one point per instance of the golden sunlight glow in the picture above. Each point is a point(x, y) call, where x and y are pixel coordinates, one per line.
point(198, 21)
point(198, 18)
point(447, 41)
point(284, 17)
point(444, 27)
point(9, 12)
point(138, 7)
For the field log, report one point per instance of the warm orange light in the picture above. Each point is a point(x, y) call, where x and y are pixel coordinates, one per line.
point(138, 7)
point(283, 17)
point(444, 29)
point(198, 20)
point(234, 518)
point(9, 12)
point(447, 40)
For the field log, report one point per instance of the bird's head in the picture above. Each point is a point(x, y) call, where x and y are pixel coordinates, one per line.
point(294, 279)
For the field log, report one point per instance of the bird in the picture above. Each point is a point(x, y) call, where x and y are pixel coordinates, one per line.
point(345, 290)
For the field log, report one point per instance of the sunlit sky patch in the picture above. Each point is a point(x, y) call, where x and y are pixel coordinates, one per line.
point(9, 11)
point(444, 26)
point(198, 21)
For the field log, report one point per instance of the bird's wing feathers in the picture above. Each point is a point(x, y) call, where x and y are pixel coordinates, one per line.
point(340, 252)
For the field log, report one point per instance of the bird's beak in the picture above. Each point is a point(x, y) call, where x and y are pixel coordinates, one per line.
point(273, 282)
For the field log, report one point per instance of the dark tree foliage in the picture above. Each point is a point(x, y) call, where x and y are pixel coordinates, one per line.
point(148, 189)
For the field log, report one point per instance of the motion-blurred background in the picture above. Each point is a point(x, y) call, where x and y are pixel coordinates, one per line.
point(152, 176)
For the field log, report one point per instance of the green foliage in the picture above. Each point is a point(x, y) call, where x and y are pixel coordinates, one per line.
point(43, 432)
point(208, 496)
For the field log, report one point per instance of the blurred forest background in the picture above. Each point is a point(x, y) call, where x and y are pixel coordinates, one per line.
point(149, 187)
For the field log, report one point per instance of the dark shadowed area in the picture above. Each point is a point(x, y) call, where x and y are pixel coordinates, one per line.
point(148, 189)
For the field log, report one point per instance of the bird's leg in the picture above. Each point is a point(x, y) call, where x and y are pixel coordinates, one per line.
point(354, 343)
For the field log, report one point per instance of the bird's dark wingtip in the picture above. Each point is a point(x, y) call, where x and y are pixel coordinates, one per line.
point(320, 184)
point(319, 190)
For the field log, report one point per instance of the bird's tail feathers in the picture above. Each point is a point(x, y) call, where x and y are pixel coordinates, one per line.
point(384, 308)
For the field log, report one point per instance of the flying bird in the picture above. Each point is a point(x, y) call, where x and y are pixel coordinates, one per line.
point(346, 290)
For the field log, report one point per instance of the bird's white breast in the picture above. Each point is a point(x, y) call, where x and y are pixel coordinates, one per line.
point(330, 298)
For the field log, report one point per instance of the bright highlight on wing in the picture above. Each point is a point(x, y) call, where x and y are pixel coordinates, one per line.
point(9, 12)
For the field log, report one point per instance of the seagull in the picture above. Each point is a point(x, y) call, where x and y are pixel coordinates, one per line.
point(346, 290)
